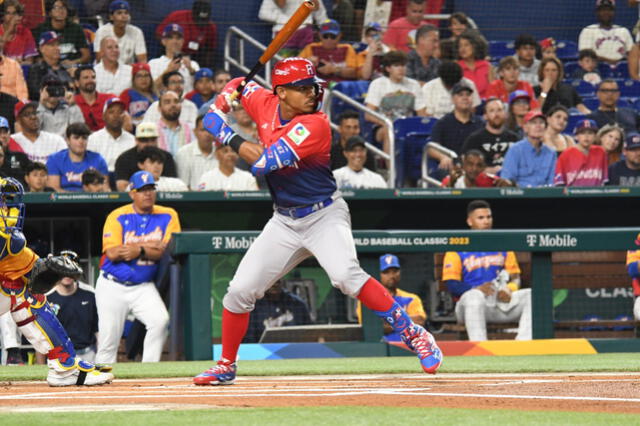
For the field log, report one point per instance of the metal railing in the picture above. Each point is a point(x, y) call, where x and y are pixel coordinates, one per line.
point(425, 179)
point(240, 37)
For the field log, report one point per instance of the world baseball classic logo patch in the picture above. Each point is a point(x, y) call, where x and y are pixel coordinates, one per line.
point(298, 134)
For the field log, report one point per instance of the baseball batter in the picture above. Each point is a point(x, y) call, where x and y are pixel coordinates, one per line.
point(24, 278)
point(310, 217)
point(133, 240)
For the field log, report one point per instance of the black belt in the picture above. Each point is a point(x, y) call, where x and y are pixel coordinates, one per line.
point(119, 281)
point(302, 211)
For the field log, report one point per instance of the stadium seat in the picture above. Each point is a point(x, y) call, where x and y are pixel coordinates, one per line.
point(498, 49)
point(630, 89)
point(411, 135)
point(621, 70)
point(570, 68)
point(573, 120)
point(591, 102)
point(584, 89)
point(566, 50)
point(356, 90)
point(25, 70)
point(626, 102)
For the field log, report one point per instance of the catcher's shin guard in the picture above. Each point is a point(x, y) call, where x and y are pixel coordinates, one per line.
point(41, 327)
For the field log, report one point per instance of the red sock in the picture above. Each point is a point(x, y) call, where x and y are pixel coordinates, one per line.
point(234, 327)
point(374, 296)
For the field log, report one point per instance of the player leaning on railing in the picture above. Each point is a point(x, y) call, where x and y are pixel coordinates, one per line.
point(24, 280)
point(311, 218)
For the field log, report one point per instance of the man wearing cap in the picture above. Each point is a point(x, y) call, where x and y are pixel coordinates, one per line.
point(437, 92)
point(66, 167)
point(401, 32)
point(626, 172)
point(608, 111)
point(220, 79)
point(486, 284)
point(112, 140)
point(454, 128)
point(127, 162)
point(198, 157)
point(333, 60)
point(203, 88)
point(90, 101)
point(610, 42)
point(509, 81)
point(530, 163)
point(493, 140)
point(348, 126)
point(54, 113)
point(422, 65)
point(370, 52)
point(200, 33)
point(173, 58)
point(394, 95)
point(14, 160)
point(130, 38)
point(13, 82)
point(471, 174)
point(278, 12)
point(354, 175)
point(111, 75)
point(390, 278)
point(74, 49)
point(134, 240)
point(37, 144)
point(49, 46)
point(583, 164)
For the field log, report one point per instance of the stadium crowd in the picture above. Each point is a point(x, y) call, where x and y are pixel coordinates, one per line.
point(83, 106)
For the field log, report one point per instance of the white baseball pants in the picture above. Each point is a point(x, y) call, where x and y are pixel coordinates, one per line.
point(285, 242)
point(114, 301)
point(636, 309)
point(473, 311)
point(8, 330)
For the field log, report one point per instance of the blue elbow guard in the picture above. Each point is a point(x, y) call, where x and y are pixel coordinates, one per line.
point(632, 269)
point(213, 122)
point(276, 157)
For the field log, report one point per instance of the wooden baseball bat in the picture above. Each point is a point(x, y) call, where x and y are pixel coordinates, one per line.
point(298, 17)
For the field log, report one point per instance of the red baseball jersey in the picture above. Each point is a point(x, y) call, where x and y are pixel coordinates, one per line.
point(309, 180)
point(574, 168)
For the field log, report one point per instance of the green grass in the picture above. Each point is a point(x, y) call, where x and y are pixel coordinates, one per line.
point(611, 362)
point(322, 416)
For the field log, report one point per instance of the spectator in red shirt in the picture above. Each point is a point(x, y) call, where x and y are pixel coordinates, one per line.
point(200, 33)
point(401, 32)
point(584, 164)
point(509, 82)
point(34, 13)
point(88, 99)
point(474, 67)
point(18, 40)
point(399, 7)
point(472, 174)
point(334, 61)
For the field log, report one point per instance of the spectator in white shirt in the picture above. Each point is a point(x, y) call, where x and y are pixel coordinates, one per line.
point(278, 13)
point(354, 175)
point(610, 42)
point(151, 159)
point(37, 144)
point(194, 159)
point(394, 95)
point(173, 59)
point(129, 37)
point(112, 140)
point(227, 177)
point(111, 75)
point(437, 92)
point(173, 133)
point(174, 82)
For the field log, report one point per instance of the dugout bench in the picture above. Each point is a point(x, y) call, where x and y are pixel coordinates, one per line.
point(552, 253)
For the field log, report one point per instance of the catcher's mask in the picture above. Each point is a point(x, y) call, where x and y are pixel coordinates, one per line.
point(11, 205)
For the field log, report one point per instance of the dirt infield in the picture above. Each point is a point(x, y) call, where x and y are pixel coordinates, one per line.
point(610, 393)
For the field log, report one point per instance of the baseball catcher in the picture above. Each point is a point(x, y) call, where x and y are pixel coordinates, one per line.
point(24, 279)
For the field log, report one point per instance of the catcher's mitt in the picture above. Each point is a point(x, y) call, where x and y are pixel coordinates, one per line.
point(46, 272)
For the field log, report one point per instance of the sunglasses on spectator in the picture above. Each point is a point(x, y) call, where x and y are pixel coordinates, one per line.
point(609, 90)
point(329, 36)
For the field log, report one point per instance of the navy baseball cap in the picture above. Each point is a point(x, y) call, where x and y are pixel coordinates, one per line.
point(113, 101)
point(141, 179)
point(118, 5)
point(172, 28)
point(632, 141)
point(461, 87)
point(330, 26)
point(48, 37)
point(4, 123)
point(585, 124)
point(518, 94)
point(389, 261)
point(373, 26)
point(203, 73)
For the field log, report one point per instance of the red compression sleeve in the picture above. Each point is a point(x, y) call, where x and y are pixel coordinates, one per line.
point(374, 296)
point(234, 327)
